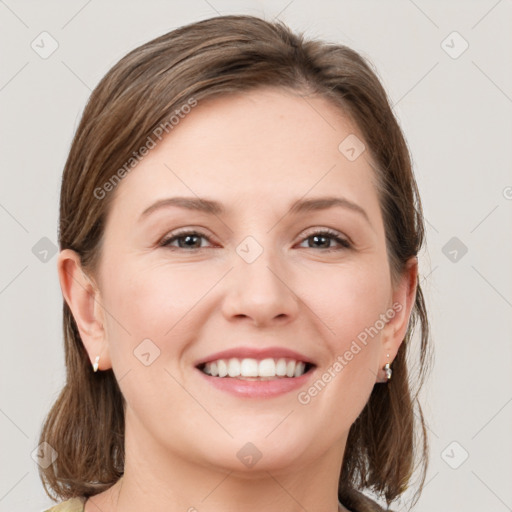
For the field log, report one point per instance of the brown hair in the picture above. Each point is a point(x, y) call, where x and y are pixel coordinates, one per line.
point(221, 56)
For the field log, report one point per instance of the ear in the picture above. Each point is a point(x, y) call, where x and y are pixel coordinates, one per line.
point(399, 313)
point(83, 298)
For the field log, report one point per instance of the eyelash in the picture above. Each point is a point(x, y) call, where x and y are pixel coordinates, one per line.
point(334, 235)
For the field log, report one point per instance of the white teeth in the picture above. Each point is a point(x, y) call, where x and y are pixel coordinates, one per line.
point(250, 367)
point(299, 369)
point(290, 369)
point(222, 367)
point(267, 368)
point(233, 367)
point(281, 367)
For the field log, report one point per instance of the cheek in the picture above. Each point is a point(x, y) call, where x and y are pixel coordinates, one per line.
point(170, 305)
point(152, 299)
point(351, 307)
point(162, 304)
point(152, 318)
point(349, 301)
point(149, 304)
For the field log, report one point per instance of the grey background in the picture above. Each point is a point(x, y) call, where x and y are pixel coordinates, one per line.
point(455, 111)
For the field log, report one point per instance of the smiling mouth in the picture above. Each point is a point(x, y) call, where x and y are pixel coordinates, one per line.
point(254, 369)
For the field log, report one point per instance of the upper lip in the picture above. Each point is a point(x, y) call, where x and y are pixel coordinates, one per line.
point(255, 353)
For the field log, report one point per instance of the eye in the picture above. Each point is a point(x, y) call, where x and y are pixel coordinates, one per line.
point(325, 236)
point(191, 239)
point(185, 239)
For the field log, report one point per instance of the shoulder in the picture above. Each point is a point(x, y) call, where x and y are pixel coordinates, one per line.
point(71, 505)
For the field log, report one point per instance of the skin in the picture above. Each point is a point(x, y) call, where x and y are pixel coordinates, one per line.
point(256, 154)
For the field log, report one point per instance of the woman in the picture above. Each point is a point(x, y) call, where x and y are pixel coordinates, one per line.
point(239, 230)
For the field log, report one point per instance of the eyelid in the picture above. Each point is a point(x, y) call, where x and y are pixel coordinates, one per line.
point(201, 232)
point(344, 241)
point(341, 239)
point(330, 231)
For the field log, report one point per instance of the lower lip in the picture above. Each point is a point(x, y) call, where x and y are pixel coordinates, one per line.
point(255, 388)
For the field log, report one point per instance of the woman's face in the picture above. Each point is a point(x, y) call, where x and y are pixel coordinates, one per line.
point(258, 277)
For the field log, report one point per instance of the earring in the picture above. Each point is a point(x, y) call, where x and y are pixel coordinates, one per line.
point(387, 370)
point(95, 364)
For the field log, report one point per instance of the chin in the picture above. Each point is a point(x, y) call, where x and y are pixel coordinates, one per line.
point(253, 454)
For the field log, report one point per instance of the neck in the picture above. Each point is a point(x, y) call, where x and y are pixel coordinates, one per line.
point(159, 479)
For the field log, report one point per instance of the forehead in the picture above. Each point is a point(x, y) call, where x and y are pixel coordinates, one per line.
point(262, 145)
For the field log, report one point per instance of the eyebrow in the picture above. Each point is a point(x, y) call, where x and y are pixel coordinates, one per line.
point(215, 208)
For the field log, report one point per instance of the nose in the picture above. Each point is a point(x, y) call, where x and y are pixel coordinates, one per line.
point(261, 291)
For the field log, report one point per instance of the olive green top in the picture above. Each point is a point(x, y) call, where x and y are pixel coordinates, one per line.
point(72, 505)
